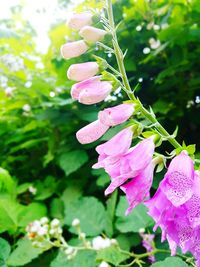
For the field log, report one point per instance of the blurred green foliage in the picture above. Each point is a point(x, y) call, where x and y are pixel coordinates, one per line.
point(44, 170)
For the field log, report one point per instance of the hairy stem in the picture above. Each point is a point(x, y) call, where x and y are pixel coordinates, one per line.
point(120, 61)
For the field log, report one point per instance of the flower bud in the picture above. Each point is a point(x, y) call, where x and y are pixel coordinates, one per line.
point(91, 132)
point(104, 264)
point(55, 223)
point(116, 115)
point(91, 91)
point(82, 71)
point(73, 49)
point(75, 222)
point(44, 220)
point(77, 21)
point(92, 34)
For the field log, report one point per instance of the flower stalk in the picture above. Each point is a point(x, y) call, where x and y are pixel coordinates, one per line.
point(120, 61)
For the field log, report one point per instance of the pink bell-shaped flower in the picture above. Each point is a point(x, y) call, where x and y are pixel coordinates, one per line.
point(91, 34)
point(116, 115)
point(91, 91)
point(78, 20)
point(91, 132)
point(73, 49)
point(82, 71)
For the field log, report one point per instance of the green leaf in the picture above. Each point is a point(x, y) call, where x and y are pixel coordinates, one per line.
point(72, 161)
point(112, 255)
point(57, 208)
point(191, 149)
point(170, 261)
point(24, 253)
point(7, 185)
point(83, 258)
point(133, 222)
point(33, 211)
point(8, 214)
point(4, 252)
point(110, 214)
point(91, 214)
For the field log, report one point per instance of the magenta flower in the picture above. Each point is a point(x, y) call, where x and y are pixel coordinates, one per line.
point(176, 206)
point(179, 180)
point(148, 243)
point(91, 132)
point(138, 188)
point(91, 91)
point(116, 115)
point(131, 164)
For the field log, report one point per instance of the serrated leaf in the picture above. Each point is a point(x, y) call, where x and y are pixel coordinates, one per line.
point(72, 161)
point(33, 211)
point(112, 255)
point(90, 212)
point(133, 222)
point(170, 261)
point(24, 253)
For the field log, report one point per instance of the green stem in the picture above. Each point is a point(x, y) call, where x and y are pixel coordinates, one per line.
point(120, 61)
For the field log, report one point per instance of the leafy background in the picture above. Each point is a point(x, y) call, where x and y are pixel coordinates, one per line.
point(38, 146)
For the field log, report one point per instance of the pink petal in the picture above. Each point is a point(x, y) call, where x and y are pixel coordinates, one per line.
point(178, 183)
point(116, 115)
point(91, 132)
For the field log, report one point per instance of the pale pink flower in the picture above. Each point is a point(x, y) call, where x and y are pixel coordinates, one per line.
point(82, 71)
point(77, 21)
point(116, 115)
point(91, 91)
point(73, 49)
point(92, 34)
point(91, 132)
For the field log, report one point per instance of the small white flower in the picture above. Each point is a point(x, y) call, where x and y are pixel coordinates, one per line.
point(32, 190)
point(42, 231)
point(113, 241)
point(52, 231)
point(59, 230)
point(44, 220)
point(39, 65)
point(146, 50)
point(150, 25)
point(28, 84)
point(141, 230)
point(26, 108)
point(69, 251)
point(52, 94)
point(156, 27)
point(154, 44)
point(104, 264)
point(138, 28)
point(55, 223)
point(100, 242)
point(140, 80)
point(75, 222)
